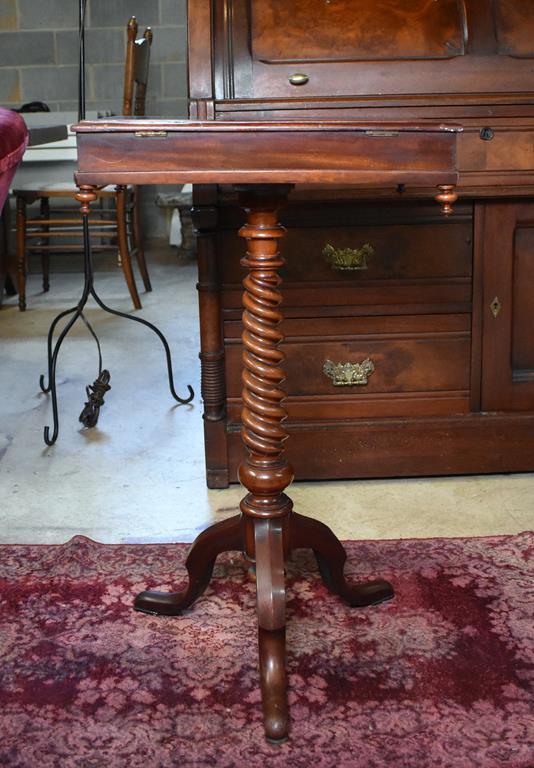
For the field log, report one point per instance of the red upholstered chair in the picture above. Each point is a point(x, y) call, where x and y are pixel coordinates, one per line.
point(13, 141)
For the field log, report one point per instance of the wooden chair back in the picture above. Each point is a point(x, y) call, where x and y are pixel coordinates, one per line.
point(136, 70)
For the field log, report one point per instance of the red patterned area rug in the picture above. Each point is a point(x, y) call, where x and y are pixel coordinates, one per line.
point(437, 678)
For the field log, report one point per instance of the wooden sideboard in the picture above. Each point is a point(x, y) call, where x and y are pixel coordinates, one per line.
point(442, 308)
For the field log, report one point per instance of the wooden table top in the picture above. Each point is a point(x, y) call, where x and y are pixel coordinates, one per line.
point(150, 151)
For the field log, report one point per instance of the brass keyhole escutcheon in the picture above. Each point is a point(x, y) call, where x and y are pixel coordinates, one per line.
point(495, 306)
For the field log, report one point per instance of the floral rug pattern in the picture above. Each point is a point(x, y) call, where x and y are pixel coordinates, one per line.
point(440, 677)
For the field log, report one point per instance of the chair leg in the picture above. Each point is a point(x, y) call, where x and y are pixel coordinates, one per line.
point(136, 238)
point(21, 251)
point(45, 254)
point(124, 251)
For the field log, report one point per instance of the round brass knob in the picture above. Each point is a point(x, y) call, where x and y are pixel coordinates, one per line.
point(298, 79)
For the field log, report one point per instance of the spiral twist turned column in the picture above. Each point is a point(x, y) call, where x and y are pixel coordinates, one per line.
point(266, 472)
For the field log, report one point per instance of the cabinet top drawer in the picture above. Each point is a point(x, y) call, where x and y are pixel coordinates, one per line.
point(357, 254)
point(497, 149)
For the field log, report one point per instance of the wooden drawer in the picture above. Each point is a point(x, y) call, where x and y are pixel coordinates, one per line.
point(510, 149)
point(354, 255)
point(400, 365)
point(406, 254)
point(417, 363)
point(370, 298)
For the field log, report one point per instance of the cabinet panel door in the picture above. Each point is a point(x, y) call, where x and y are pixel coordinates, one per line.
point(513, 24)
point(356, 30)
point(298, 50)
point(508, 307)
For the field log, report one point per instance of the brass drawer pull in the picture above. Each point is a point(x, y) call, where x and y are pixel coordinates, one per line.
point(348, 259)
point(298, 79)
point(349, 374)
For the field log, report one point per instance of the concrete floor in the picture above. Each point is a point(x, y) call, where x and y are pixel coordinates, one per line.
point(139, 476)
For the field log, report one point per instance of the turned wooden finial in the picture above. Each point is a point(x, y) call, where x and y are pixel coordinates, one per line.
point(85, 196)
point(132, 28)
point(446, 197)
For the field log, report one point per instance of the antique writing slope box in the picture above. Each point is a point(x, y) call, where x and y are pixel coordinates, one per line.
point(409, 336)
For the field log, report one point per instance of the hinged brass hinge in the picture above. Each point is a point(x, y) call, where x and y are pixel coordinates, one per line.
point(151, 134)
point(382, 134)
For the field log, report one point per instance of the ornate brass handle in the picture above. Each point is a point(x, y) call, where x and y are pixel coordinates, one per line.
point(348, 259)
point(349, 374)
point(299, 78)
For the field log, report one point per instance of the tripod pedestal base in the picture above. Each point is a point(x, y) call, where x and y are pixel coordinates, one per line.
point(268, 529)
point(273, 539)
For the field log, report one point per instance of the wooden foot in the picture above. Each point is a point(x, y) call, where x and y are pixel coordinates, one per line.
point(271, 596)
point(330, 553)
point(221, 537)
point(272, 647)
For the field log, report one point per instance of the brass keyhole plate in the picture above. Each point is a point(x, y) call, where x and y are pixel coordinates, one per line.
point(495, 306)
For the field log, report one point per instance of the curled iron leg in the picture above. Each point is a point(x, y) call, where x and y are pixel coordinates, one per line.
point(52, 351)
point(50, 348)
point(50, 440)
point(161, 337)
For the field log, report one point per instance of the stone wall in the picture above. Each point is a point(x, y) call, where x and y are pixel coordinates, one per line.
point(39, 53)
point(39, 47)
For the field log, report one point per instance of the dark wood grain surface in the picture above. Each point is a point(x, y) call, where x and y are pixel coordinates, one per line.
point(172, 151)
point(340, 30)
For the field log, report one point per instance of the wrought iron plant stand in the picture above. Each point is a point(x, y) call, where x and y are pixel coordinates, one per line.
point(97, 390)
